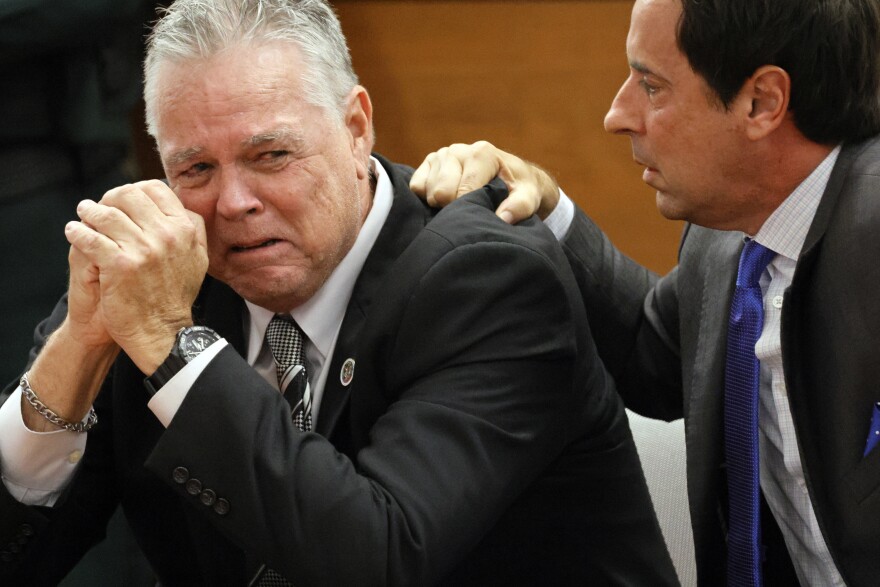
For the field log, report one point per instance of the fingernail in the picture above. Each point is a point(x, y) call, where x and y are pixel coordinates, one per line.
point(507, 217)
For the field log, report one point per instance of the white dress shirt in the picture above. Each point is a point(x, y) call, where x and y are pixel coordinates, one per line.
point(35, 466)
point(781, 469)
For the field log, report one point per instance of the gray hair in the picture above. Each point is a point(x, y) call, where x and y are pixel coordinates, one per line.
point(193, 29)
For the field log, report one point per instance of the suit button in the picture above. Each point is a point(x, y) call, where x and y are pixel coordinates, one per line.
point(22, 539)
point(26, 530)
point(193, 486)
point(221, 507)
point(14, 548)
point(208, 497)
point(180, 475)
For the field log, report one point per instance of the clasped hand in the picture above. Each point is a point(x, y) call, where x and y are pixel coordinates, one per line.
point(137, 260)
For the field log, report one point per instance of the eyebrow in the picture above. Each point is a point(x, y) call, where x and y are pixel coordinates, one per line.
point(640, 67)
point(645, 70)
point(284, 135)
point(183, 156)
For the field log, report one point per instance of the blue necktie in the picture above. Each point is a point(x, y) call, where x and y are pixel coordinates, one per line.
point(741, 381)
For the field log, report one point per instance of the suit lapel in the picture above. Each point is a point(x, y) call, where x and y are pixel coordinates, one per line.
point(829, 200)
point(707, 274)
point(408, 215)
point(827, 410)
point(717, 256)
point(704, 385)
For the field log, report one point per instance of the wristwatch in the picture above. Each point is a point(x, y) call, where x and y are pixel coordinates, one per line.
point(191, 340)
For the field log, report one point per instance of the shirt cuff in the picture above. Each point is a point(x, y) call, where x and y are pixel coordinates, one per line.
point(35, 466)
point(560, 219)
point(167, 400)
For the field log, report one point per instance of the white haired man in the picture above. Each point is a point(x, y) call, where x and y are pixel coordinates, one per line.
point(443, 430)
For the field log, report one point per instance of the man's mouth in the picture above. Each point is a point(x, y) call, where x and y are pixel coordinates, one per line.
point(641, 163)
point(261, 245)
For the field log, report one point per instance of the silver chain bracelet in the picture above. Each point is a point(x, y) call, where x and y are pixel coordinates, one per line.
point(44, 411)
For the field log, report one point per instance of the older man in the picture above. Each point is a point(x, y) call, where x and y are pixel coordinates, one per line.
point(756, 121)
point(433, 427)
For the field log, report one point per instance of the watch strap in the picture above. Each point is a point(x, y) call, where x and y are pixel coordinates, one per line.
point(168, 369)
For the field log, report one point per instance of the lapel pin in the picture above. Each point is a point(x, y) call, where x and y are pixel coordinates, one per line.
point(346, 374)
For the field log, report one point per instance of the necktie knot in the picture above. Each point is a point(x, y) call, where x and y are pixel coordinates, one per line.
point(285, 340)
point(754, 259)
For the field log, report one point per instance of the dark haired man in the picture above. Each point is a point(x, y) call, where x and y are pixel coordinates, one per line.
point(756, 118)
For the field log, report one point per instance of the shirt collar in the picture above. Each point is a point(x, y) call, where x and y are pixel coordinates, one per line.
point(786, 229)
point(321, 316)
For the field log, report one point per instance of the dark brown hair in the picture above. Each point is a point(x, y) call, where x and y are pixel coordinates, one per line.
point(829, 48)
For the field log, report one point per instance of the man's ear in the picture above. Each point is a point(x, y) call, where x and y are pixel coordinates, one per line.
point(359, 122)
point(768, 91)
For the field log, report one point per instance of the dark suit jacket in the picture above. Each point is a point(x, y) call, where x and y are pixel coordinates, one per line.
point(481, 442)
point(664, 341)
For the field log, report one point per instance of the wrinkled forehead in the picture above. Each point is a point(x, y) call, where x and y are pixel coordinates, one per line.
point(264, 66)
point(228, 86)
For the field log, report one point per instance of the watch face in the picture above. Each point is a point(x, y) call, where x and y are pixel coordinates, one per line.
point(194, 340)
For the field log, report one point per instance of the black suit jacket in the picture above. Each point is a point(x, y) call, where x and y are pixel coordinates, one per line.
point(665, 341)
point(480, 442)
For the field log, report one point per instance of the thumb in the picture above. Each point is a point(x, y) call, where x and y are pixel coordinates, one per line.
point(518, 206)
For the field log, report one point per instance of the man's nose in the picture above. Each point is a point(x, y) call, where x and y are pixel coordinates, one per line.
point(237, 197)
point(622, 117)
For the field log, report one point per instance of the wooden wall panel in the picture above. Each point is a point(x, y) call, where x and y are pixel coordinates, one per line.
point(535, 77)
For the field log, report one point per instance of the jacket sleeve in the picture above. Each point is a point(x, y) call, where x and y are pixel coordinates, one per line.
point(43, 544)
point(634, 318)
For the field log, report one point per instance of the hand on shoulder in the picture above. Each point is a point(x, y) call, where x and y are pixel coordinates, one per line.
point(455, 170)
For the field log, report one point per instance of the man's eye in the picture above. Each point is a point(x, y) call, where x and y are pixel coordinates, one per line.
point(195, 170)
point(273, 155)
point(649, 89)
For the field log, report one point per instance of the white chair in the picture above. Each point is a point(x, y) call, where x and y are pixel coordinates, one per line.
point(661, 449)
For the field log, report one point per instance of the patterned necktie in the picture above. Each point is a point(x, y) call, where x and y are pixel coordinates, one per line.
point(266, 577)
point(285, 339)
point(742, 375)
